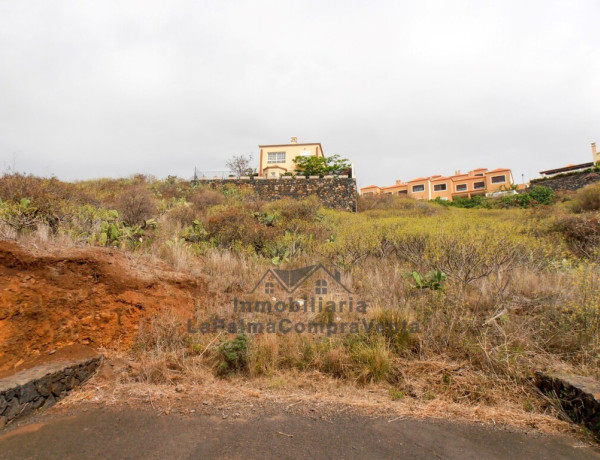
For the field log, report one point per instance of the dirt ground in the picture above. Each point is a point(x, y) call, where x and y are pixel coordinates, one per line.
point(93, 296)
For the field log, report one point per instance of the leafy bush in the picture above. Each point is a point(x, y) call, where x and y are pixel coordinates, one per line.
point(433, 280)
point(478, 201)
point(321, 166)
point(137, 205)
point(587, 198)
point(234, 355)
point(290, 209)
point(203, 198)
point(36, 200)
point(181, 213)
point(541, 194)
point(235, 224)
point(195, 233)
point(20, 216)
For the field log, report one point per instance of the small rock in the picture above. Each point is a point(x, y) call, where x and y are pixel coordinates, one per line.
point(3, 421)
point(237, 414)
point(179, 388)
point(52, 352)
point(225, 416)
point(206, 402)
point(192, 411)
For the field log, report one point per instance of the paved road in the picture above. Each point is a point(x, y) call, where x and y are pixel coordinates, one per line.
point(129, 433)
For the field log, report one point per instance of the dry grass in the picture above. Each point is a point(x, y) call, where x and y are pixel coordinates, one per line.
point(521, 292)
point(312, 393)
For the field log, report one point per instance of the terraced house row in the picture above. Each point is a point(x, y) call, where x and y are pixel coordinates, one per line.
point(476, 182)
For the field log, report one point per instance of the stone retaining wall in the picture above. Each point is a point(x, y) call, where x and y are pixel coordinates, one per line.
point(42, 386)
point(338, 192)
point(570, 181)
point(578, 396)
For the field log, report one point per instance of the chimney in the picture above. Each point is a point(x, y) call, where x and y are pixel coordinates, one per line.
point(457, 172)
point(294, 140)
point(594, 151)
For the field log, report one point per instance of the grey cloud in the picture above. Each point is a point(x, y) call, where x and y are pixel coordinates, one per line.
point(403, 89)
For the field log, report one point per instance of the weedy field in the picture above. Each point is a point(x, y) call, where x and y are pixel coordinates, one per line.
point(500, 288)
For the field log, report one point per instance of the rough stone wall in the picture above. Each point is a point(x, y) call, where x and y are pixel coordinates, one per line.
point(578, 396)
point(41, 386)
point(333, 192)
point(572, 181)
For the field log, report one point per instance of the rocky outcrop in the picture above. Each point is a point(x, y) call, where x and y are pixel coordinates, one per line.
point(42, 386)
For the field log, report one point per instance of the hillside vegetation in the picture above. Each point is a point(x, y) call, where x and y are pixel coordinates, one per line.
point(499, 290)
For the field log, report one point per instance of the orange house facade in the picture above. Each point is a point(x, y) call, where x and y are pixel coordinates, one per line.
point(476, 182)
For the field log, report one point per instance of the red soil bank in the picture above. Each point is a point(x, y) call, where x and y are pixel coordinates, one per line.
point(91, 296)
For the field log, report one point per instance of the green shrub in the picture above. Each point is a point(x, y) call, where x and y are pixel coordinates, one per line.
point(195, 233)
point(321, 166)
point(468, 203)
point(234, 355)
point(433, 280)
point(20, 216)
point(541, 194)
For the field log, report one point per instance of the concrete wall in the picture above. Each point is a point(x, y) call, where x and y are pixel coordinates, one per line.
point(333, 192)
point(42, 386)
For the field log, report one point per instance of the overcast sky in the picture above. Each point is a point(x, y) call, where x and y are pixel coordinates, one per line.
point(401, 88)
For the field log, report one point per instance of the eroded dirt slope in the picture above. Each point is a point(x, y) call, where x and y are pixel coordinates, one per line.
point(91, 296)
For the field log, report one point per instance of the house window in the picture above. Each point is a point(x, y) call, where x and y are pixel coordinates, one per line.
point(388, 193)
point(402, 192)
point(461, 187)
point(479, 174)
point(418, 188)
point(321, 287)
point(368, 193)
point(498, 179)
point(478, 185)
point(276, 157)
point(439, 188)
point(269, 288)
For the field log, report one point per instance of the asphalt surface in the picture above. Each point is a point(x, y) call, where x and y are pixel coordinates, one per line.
point(138, 433)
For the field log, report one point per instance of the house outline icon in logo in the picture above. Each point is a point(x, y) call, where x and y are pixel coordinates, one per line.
point(291, 280)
